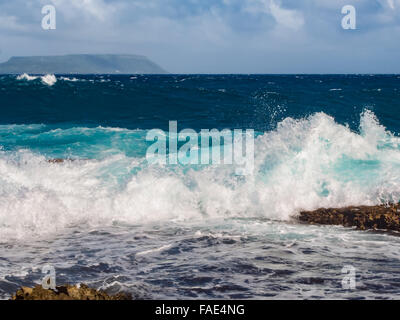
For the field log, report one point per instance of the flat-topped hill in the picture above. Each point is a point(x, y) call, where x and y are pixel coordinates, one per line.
point(81, 64)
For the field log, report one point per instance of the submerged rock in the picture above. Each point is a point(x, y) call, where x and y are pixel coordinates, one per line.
point(384, 217)
point(67, 292)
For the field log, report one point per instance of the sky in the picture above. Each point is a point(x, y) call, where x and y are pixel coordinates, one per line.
point(213, 36)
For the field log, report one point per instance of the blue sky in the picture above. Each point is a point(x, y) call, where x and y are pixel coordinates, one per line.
point(213, 36)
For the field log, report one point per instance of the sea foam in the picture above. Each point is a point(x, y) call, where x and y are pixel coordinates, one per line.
point(49, 79)
point(26, 77)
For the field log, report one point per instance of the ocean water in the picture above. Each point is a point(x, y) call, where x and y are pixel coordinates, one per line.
point(108, 218)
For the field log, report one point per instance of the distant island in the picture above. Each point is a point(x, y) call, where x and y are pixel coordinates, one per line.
point(81, 64)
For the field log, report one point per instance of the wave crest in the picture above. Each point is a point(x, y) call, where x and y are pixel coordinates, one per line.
point(48, 79)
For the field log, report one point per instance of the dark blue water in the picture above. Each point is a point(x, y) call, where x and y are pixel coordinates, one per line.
point(199, 101)
point(107, 217)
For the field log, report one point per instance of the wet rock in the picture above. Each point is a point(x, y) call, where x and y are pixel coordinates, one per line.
point(56, 160)
point(61, 160)
point(383, 217)
point(66, 292)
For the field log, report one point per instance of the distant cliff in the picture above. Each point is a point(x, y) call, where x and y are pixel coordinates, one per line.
point(81, 64)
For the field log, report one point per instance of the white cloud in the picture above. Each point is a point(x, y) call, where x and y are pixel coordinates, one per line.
point(10, 23)
point(97, 9)
point(287, 18)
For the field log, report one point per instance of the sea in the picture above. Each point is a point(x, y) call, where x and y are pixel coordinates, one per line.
point(78, 193)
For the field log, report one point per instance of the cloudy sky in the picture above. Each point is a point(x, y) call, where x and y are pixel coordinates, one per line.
point(213, 36)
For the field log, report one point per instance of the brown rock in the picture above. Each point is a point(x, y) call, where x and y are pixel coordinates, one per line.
point(66, 292)
point(383, 217)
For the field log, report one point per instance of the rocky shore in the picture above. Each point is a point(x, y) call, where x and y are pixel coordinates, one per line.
point(66, 292)
point(383, 217)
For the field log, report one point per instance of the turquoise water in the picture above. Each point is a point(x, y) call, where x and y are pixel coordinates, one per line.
point(108, 217)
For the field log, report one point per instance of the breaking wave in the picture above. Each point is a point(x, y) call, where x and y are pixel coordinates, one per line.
point(304, 164)
point(48, 79)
